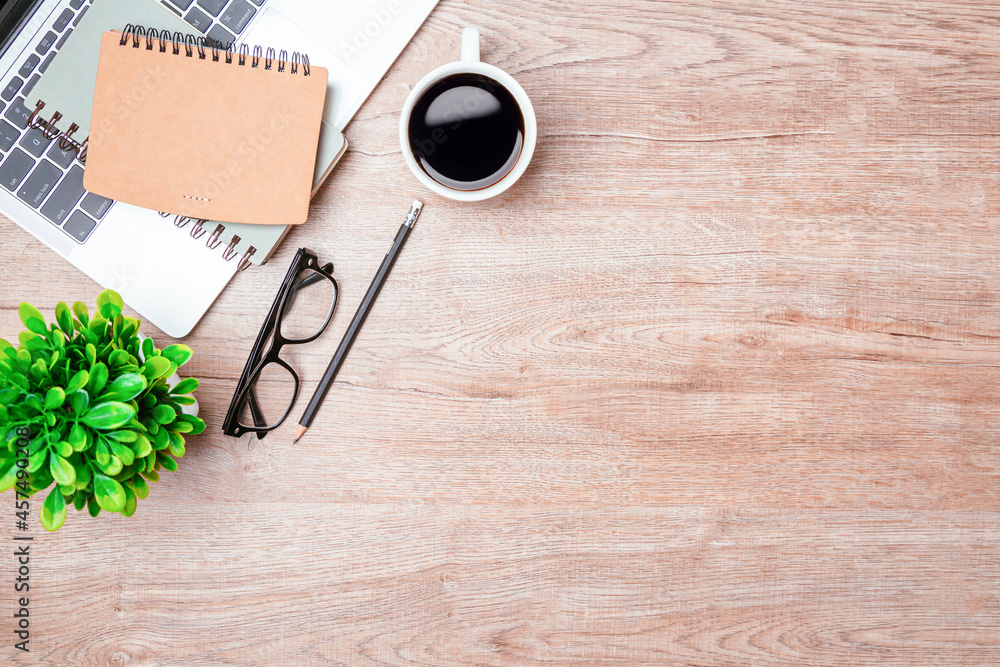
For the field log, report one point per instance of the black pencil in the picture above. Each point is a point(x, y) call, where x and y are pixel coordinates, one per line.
point(359, 319)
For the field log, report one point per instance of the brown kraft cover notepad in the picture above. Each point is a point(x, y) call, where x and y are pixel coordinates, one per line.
point(205, 138)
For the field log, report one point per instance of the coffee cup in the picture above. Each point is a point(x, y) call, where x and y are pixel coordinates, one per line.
point(468, 130)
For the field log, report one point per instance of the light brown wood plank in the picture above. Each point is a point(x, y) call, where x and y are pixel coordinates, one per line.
point(715, 384)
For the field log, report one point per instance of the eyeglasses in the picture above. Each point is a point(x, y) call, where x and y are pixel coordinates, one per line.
point(301, 312)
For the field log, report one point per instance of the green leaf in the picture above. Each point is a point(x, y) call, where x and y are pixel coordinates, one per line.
point(37, 460)
point(164, 414)
point(34, 402)
point(102, 453)
point(161, 439)
point(179, 354)
point(54, 398)
point(155, 367)
point(142, 446)
point(123, 435)
point(104, 416)
point(185, 386)
point(19, 380)
point(93, 508)
point(130, 502)
point(32, 318)
point(64, 316)
point(53, 512)
point(82, 475)
point(8, 474)
point(140, 487)
point(109, 493)
point(151, 475)
point(176, 447)
point(78, 402)
point(4, 416)
point(126, 387)
point(77, 438)
point(32, 341)
point(80, 501)
point(118, 358)
point(63, 448)
point(148, 348)
point(126, 455)
point(80, 310)
point(182, 427)
point(109, 304)
point(98, 377)
point(78, 381)
point(112, 467)
point(90, 352)
point(62, 470)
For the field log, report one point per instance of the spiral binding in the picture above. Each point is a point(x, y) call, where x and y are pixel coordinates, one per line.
point(160, 40)
point(153, 39)
point(215, 240)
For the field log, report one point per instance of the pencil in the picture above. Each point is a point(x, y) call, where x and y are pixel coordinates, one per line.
point(359, 319)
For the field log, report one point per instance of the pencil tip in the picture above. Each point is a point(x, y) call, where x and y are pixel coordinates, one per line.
point(295, 440)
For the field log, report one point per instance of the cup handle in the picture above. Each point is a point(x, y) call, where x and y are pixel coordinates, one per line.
point(470, 45)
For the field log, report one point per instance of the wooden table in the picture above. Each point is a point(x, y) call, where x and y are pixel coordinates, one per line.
point(715, 383)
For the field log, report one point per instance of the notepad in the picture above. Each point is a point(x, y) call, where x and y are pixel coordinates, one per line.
point(181, 127)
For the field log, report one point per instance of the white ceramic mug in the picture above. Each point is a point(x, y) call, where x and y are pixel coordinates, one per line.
point(470, 64)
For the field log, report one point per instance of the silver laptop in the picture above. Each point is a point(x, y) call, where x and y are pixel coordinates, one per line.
point(159, 271)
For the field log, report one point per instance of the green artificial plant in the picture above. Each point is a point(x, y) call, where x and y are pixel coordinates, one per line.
point(94, 404)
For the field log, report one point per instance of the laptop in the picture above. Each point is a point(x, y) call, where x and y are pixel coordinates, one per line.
point(169, 278)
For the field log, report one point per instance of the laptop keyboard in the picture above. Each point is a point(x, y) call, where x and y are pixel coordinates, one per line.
point(35, 168)
point(221, 20)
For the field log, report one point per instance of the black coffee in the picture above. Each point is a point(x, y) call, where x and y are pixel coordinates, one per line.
point(466, 131)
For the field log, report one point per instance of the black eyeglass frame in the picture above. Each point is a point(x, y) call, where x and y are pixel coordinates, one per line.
point(258, 360)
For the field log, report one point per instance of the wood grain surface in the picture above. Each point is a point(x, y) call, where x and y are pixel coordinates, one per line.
point(716, 383)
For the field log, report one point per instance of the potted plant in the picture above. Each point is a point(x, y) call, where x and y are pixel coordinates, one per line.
point(89, 408)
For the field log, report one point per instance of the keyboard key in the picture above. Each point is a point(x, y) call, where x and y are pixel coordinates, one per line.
point(76, 4)
point(29, 65)
point(80, 15)
point(62, 40)
point(35, 142)
point(45, 65)
point(213, 7)
point(45, 43)
point(62, 201)
point(15, 168)
point(18, 113)
point(96, 205)
point(13, 86)
point(39, 184)
point(8, 135)
point(56, 153)
point(31, 84)
point(237, 15)
point(198, 19)
point(221, 35)
point(79, 226)
point(63, 20)
point(181, 4)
